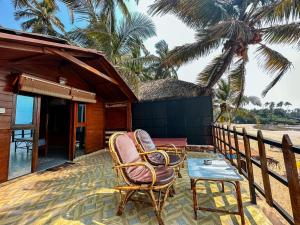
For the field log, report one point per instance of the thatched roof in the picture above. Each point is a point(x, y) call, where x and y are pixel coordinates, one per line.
point(169, 88)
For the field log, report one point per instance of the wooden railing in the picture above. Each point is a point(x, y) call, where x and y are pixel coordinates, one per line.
point(228, 141)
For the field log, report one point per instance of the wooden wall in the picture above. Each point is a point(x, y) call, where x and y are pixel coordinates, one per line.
point(95, 126)
point(116, 119)
point(7, 102)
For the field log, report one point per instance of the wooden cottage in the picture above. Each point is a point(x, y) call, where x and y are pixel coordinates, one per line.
point(56, 102)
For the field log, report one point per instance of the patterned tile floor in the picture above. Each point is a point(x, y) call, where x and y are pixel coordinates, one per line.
point(83, 193)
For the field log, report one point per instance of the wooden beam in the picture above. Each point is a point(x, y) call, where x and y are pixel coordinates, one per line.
point(82, 64)
point(38, 49)
point(35, 41)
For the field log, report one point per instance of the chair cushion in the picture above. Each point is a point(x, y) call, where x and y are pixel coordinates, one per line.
point(145, 140)
point(174, 159)
point(128, 153)
point(164, 175)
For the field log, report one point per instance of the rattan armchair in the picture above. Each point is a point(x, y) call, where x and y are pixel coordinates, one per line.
point(138, 175)
point(146, 145)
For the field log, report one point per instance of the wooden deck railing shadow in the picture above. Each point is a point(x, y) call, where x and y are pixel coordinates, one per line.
point(223, 138)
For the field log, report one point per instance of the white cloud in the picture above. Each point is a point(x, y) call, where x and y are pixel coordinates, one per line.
point(176, 33)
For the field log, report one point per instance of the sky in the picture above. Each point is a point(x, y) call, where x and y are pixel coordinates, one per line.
point(175, 33)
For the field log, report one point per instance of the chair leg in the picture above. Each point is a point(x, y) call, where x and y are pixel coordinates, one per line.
point(156, 208)
point(178, 172)
point(124, 200)
point(166, 196)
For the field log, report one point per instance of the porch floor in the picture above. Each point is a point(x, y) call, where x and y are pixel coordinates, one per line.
point(82, 193)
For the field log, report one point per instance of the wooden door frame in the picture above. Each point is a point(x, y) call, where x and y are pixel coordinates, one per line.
point(34, 126)
point(73, 126)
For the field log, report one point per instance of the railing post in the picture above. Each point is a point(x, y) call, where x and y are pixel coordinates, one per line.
point(220, 139)
point(249, 167)
point(292, 177)
point(264, 168)
point(224, 141)
point(229, 143)
point(214, 137)
point(237, 147)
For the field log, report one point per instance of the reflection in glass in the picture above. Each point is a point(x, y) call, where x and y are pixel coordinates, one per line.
point(81, 113)
point(24, 110)
point(80, 141)
point(20, 153)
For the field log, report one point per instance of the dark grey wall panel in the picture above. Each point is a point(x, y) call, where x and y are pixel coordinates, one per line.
point(190, 117)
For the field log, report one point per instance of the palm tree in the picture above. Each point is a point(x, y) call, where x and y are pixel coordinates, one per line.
point(154, 67)
point(121, 46)
point(225, 102)
point(235, 25)
point(106, 10)
point(279, 104)
point(40, 17)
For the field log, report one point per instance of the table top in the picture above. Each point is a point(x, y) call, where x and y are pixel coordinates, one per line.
point(178, 142)
point(219, 170)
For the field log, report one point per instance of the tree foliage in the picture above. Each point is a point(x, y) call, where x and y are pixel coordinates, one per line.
point(236, 25)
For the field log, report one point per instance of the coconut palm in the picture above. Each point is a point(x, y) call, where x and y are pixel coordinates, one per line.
point(40, 17)
point(106, 10)
point(153, 65)
point(225, 102)
point(280, 104)
point(120, 46)
point(235, 25)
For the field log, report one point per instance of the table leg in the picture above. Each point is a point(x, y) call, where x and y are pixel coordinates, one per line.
point(240, 202)
point(195, 204)
point(223, 186)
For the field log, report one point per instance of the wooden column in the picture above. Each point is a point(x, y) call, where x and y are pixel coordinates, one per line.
point(36, 129)
point(237, 147)
point(249, 167)
point(264, 168)
point(292, 177)
point(129, 117)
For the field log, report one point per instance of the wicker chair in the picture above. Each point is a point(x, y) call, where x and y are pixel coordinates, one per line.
point(146, 145)
point(138, 175)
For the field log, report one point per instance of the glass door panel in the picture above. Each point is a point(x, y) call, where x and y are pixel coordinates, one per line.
point(21, 146)
point(80, 127)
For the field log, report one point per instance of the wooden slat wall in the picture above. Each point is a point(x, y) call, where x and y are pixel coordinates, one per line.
point(116, 118)
point(95, 126)
point(6, 101)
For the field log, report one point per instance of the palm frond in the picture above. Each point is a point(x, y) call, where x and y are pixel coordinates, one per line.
point(188, 52)
point(251, 99)
point(214, 71)
point(277, 11)
point(230, 29)
point(282, 34)
point(195, 13)
point(237, 78)
point(274, 63)
point(20, 3)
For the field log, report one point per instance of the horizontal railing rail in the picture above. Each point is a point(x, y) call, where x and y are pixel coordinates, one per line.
point(227, 141)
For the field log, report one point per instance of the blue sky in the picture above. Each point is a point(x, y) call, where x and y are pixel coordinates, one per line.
point(176, 33)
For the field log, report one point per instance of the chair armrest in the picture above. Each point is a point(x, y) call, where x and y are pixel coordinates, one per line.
point(145, 164)
point(169, 147)
point(165, 155)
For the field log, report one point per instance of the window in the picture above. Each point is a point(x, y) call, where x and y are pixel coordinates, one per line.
point(81, 113)
point(24, 110)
